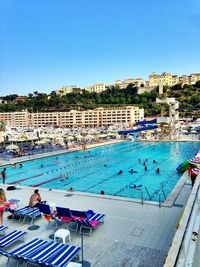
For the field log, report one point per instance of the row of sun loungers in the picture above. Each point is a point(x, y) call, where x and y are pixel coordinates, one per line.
point(47, 253)
point(38, 251)
point(83, 221)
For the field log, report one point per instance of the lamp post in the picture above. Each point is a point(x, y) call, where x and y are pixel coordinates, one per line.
point(84, 263)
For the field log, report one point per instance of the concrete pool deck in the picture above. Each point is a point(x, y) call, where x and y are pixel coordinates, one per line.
point(133, 235)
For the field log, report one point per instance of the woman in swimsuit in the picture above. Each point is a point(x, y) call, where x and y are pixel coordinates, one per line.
point(2, 204)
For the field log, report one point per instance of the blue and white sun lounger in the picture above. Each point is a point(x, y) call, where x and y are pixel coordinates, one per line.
point(11, 238)
point(38, 251)
point(23, 251)
point(20, 212)
point(2, 229)
point(44, 253)
point(32, 213)
point(92, 216)
point(62, 257)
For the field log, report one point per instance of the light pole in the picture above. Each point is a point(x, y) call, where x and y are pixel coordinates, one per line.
point(84, 263)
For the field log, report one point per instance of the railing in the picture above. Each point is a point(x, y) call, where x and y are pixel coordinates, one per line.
point(184, 249)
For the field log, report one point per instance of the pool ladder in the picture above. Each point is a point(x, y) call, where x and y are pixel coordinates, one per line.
point(142, 195)
point(161, 192)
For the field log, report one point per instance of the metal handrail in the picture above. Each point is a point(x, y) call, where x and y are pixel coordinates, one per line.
point(159, 195)
point(142, 197)
point(148, 193)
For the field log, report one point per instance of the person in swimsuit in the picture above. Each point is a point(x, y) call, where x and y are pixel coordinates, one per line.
point(35, 198)
point(3, 174)
point(2, 204)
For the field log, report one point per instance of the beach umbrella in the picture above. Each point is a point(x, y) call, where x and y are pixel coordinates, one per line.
point(195, 160)
point(70, 137)
point(103, 135)
point(79, 137)
point(45, 140)
point(89, 136)
point(12, 147)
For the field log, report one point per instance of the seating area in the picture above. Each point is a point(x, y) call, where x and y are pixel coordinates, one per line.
point(43, 251)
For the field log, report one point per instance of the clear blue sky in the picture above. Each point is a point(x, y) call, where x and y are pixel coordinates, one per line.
point(49, 43)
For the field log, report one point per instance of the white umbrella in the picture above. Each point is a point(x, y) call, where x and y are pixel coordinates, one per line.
point(79, 137)
point(102, 135)
point(89, 136)
point(12, 147)
point(70, 137)
point(42, 142)
point(45, 140)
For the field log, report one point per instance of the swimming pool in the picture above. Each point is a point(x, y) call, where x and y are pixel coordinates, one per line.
point(97, 169)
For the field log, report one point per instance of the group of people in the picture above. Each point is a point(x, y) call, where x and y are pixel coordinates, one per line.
point(34, 200)
point(14, 165)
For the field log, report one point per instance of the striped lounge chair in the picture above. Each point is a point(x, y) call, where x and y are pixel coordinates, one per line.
point(3, 229)
point(11, 237)
point(21, 253)
point(88, 220)
point(44, 253)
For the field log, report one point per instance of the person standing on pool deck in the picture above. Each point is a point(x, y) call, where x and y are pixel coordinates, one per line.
point(193, 178)
point(2, 204)
point(3, 174)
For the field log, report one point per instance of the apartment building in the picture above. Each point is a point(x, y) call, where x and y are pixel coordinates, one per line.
point(16, 119)
point(97, 87)
point(66, 90)
point(127, 115)
point(122, 84)
point(160, 79)
point(170, 80)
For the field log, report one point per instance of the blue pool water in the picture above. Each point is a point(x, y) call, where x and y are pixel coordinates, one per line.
point(97, 169)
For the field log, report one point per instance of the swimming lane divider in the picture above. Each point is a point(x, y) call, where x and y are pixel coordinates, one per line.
point(45, 182)
point(22, 180)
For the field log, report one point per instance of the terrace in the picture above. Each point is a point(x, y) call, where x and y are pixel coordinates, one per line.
point(132, 234)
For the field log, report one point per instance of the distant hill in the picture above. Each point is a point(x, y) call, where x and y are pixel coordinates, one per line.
point(187, 95)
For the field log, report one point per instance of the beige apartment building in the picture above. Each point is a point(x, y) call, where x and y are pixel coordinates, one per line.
point(66, 90)
point(163, 79)
point(97, 87)
point(127, 115)
point(122, 84)
point(170, 80)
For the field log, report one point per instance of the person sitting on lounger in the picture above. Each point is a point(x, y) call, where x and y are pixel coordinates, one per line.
point(35, 199)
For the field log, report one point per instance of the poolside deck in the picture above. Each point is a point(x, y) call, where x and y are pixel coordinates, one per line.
point(133, 235)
